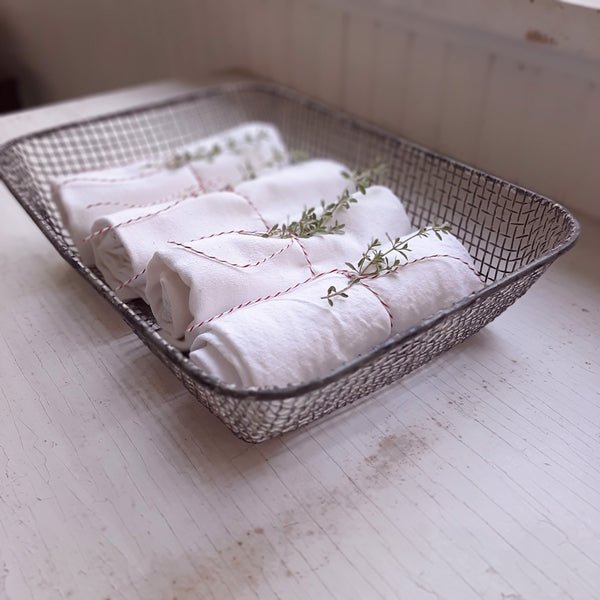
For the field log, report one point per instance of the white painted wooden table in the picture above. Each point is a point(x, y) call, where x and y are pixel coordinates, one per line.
point(476, 477)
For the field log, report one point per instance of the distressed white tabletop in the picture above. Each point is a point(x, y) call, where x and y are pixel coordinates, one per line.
point(478, 476)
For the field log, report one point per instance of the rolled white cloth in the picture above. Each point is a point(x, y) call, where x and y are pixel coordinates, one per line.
point(293, 338)
point(83, 198)
point(123, 243)
point(187, 285)
point(376, 213)
point(281, 196)
point(436, 274)
point(238, 154)
point(297, 336)
point(210, 164)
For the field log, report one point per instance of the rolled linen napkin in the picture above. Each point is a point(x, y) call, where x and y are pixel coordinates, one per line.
point(375, 213)
point(187, 285)
point(191, 283)
point(297, 336)
point(238, 154)
point(83, 198)
point(124, 242)
point(293, 338)
point(281, 196)
point(209, 164)
point(436, 274)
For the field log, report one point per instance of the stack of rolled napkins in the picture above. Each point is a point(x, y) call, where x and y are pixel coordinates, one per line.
point(188, 235)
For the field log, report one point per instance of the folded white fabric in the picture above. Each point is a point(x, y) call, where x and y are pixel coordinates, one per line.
point(293, 338)
point(281, 196)
point(437, 273)
point(297, 336)
point(83, 198)
point(238, 154)
point(124, 242)
point(209, 164)
point(187, 285)
point(376, 213)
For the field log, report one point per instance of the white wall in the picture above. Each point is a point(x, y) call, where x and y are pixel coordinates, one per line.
point(512, 87)
point(62, 49)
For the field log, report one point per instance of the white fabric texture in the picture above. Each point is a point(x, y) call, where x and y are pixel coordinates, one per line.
point(281, 196)
point(124, 242)
point(297, 336)
point(83, 198)
point(420, 289)
point(249, 150)
point(245, 150)
point(293, 338)
point(185, 288)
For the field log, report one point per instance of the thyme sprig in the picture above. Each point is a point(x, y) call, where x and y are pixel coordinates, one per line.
point(310, 223)
point(208, 153)
point(247, 170)
point(278, 159)
point(298, 156)
point(376, 262)
point(203, 153)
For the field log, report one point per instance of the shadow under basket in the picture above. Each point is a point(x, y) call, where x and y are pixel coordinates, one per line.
point(512, 234)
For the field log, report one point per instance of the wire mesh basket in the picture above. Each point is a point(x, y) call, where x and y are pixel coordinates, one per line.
point(512, 234)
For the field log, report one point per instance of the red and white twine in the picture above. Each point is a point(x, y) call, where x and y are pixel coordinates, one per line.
point(130, 280)
point(232, 264)
point(349, 274)
point(88, 179)
point(181, 195)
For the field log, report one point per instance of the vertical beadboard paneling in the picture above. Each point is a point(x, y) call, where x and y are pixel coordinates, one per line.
point(223, 25)
point(328, 39)
point(359, 61)
point(551, 132)
point(278, 33)
point(303, 67)
point(505, 115)
point(317, 61)
point(190, 47)
point(268, 25)
point(424, 98)
point(392, 56)
point(257, 34)
point(582, 187)
point(505, 108)
point(465, 82)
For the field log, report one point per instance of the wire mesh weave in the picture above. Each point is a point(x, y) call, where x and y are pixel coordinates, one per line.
point(512, 234)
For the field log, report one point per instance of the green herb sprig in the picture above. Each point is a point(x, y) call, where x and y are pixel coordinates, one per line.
point(311, 223)
point(247, 171)
point(376, 262)
point(278, 159)
point(209, 153)
point(298, 156)
point(180, 160)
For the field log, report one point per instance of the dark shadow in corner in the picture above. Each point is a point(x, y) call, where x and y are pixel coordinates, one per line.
point(19, 86)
